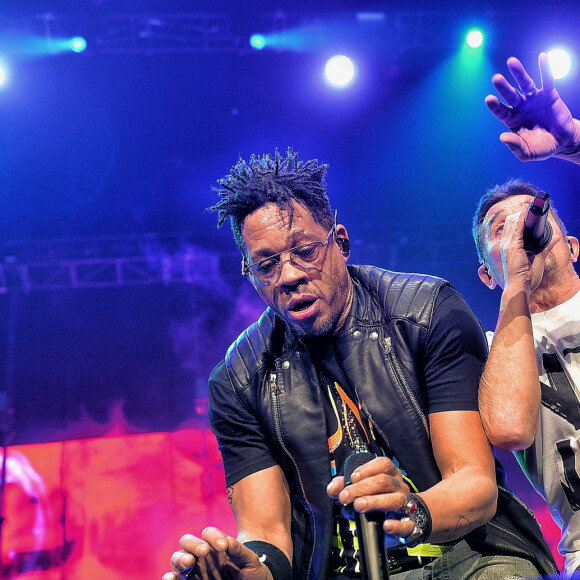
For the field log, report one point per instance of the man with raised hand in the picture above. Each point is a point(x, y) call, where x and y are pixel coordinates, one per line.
point(529, 390)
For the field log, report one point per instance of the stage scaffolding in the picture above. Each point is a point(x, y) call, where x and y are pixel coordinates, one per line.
point(400, 31)
point(101, 262)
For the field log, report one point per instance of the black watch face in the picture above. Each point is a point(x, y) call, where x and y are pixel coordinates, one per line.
point(420, 517)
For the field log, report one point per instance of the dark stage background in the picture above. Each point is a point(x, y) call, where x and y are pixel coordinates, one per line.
point(117, 293)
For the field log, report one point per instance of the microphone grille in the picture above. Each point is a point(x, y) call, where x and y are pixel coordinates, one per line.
point(355, 460)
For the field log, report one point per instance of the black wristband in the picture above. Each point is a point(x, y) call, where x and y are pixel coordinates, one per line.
point(273, 558)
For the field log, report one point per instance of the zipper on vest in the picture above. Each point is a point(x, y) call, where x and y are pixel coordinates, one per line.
point(398, 372)
point(273, 387)
point(278, 429)
point(387, 344)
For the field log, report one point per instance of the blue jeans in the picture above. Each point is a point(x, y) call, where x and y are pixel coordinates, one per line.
point(464, 563)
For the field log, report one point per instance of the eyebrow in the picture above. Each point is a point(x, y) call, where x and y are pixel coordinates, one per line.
point(493, 217)
point(263, 254)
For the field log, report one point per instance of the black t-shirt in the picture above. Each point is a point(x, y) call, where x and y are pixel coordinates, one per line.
point(350, 431)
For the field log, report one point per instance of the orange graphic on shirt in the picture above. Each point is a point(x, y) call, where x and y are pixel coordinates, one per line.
point(348, 410)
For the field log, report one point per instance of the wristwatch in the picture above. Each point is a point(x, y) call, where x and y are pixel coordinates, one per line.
point(420, 516)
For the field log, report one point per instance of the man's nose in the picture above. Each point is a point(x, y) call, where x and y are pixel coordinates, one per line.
point(290, 273)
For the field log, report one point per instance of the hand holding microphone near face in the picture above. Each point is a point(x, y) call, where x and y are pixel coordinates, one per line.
point(526, 240)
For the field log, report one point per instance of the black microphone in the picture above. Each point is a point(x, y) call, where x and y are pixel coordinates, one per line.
point(537, 229)
point(369, 529)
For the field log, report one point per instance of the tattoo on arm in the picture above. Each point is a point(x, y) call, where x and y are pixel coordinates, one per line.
point(471, 522)
point(230, 491)
point(462, 521)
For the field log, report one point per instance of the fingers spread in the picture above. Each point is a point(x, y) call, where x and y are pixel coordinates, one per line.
point(510, 95)
point(524, 80)
point(516, 145)
point(546, 72)
point(501, 111)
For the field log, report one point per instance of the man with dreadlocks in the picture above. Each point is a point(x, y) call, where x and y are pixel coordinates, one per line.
point(349, 362)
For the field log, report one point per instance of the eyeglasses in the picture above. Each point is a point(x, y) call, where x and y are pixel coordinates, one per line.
point(267, 271)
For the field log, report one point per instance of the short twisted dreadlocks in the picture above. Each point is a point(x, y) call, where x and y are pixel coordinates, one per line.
point(277, 179)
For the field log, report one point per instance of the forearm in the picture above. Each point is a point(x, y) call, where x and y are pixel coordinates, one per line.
point(509, 394)
point(261, 506)
point(460, 503)
point(280, 539)
point(466, 496)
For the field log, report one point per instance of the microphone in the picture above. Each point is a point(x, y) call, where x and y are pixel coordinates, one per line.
point(369, 529)
point(537, 229)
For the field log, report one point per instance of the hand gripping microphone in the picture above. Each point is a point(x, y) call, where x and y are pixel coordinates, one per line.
point(369, 529)
point(537, 229)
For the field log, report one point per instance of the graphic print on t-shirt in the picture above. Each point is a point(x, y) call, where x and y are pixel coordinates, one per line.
point(346, 435)
point(559, 396)
point(350, 431)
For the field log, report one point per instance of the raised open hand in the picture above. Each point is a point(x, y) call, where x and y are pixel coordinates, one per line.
point(540, 123)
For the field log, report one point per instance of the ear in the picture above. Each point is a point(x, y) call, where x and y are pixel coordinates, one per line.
point(574, 247)
point(486, 277)
point(341, 236)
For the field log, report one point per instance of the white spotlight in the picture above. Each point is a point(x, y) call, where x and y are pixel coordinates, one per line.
point(560, 62)
point(3, 75)
point(339, 71)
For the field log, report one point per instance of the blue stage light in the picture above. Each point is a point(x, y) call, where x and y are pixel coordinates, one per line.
point(257, 41)
point(77, 44)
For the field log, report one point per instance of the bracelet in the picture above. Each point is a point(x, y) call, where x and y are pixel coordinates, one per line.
point(419, 514)
point(272, 557)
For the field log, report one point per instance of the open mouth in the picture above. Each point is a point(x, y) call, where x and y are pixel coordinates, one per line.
point(303, 305)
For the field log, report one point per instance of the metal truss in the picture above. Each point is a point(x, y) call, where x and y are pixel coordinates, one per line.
point(399, 31)
point(108, 262)
point(114, 261)
point(168, 34)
